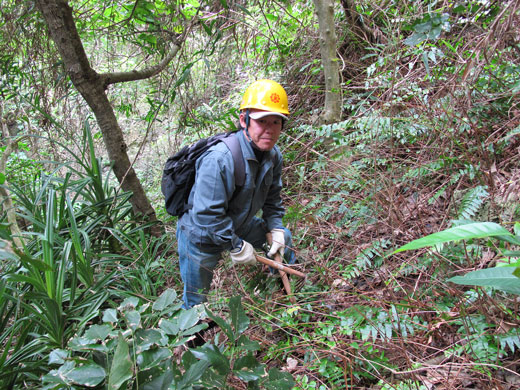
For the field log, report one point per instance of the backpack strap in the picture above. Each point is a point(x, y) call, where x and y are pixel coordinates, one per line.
point(236, 151)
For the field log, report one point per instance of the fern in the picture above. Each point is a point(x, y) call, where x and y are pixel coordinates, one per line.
point(425, 170)
point(472, 201)
point(511, 134)
point(368, 258)
point(510, 339)
point(380, 324)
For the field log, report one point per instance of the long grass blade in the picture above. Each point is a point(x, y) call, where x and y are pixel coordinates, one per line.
point(48, 244)
point(85, 276)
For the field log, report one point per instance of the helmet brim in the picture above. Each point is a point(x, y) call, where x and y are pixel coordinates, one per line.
point(261, 114)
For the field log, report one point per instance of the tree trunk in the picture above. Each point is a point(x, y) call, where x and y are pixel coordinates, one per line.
point(333, 102)
point(91, 85)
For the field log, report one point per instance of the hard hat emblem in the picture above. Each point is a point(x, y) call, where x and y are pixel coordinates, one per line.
point(275, 98)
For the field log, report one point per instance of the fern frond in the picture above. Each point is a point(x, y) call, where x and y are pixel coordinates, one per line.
point(510, 339)
point(368, 258)
point(425, 170)
point(472, 201)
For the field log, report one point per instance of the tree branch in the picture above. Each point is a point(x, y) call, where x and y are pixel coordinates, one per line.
point(122, 77)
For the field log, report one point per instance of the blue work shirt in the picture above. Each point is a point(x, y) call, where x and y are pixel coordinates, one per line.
point(218, 216)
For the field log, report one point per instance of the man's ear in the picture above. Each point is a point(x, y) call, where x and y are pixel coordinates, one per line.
point(242, 119)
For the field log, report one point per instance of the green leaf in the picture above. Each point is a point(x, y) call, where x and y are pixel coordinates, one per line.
point(148, 38)
point(58, 356)
point(60, 375)
point(207, 28)
point(415, 39)
point(459, 9)
point(195, 329)
point(169, 327)
point(515, 240)
point(423, 27)
point(239, 319)
point(501, 278)
point(278, 380)
point(511, 253)
point(243, 9)
point(250, 375)
point(161, 382)
point(212, 354)
point(165, 300)
point(152, 358)
point(89, 375)
point(426, 62)
point(85, 344)
point(248, 362)
point(98, 332)
point(133, 319)
point(222, 324)
point(193, 374)
point(248, 345)
point(36, 263)
point(188, 318)
point(188, 359)
point(464, 232)
point(184, 76)
point(146, 338)
point(110, 315)
point(248, 369)
point(212, 380)
point(121, 370)
point(129, 303)
point(2, 178)
point(435, 32)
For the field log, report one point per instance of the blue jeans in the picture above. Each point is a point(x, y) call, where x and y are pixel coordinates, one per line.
point(197, 263)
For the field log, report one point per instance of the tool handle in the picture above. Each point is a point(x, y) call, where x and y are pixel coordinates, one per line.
point(279, 266)
point(285, 279)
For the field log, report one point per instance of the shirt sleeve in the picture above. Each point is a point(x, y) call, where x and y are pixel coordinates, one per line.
point(273, 210)
point(212, 189)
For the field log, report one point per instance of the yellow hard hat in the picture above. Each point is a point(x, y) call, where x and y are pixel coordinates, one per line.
point(266, 95)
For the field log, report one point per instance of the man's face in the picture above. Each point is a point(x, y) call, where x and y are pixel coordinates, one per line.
point(265, 131)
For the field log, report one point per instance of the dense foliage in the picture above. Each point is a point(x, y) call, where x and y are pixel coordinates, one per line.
point(404, 213)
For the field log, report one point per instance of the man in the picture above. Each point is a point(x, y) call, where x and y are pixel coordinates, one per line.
point(221, 218)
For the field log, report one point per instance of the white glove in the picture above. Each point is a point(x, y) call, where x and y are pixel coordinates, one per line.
point(278, 244)
point(245, 255)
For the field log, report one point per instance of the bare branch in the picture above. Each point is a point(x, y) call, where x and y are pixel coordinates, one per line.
point(122, 77)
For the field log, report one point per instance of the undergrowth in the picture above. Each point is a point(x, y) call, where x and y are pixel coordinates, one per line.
point(428, 142)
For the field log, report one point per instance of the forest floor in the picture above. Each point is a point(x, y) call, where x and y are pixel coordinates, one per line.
point(342, 327)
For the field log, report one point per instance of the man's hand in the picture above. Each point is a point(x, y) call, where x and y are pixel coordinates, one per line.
point(278, 244)
point(244, 255)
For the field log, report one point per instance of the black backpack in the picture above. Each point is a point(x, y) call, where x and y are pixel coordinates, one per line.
point(179, 171)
